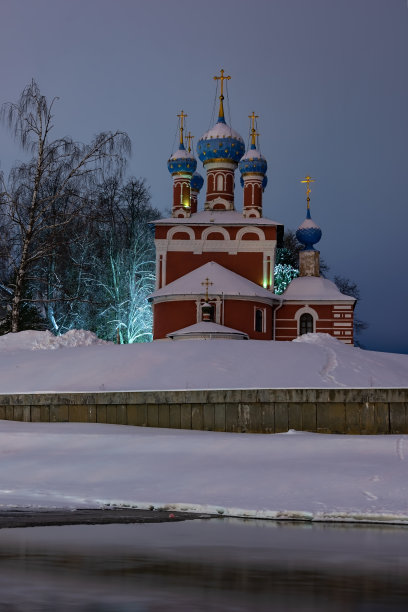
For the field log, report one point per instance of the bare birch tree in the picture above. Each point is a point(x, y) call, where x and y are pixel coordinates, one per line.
point(45, 195)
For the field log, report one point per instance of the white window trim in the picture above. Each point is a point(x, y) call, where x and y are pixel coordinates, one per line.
point(220, 182)
point(263, 310)
point(250, 230)
point(306, 310)
point(213, 301)
point(181, 229)
point(215, 230)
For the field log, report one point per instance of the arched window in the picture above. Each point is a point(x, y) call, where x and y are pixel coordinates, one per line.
point(207, 312)
point(220, 182)
point(259, 320)
point(306, 324)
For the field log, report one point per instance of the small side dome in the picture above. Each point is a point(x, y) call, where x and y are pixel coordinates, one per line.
point(197, 181)
point(182, 161)
point(308, 233)
point(220, 142)
point(253, 161)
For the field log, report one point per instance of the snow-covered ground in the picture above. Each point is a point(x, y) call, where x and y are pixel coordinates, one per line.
point(298, 475)
point(81, 362)
point(294, 475)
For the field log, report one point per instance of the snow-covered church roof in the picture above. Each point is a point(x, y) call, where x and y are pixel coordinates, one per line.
point(207, 330)
point(310, 288)
point(223, 282)
point(218, 217)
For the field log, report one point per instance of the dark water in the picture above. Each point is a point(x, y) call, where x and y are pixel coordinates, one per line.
point(204, 565)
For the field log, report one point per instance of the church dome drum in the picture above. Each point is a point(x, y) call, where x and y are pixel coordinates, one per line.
point(264, 181)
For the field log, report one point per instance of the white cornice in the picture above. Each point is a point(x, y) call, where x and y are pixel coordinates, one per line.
point(315, 301)
point(211, 246)
point(190, 297)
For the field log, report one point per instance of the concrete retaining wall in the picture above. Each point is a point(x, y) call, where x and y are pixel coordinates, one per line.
point(351, 411)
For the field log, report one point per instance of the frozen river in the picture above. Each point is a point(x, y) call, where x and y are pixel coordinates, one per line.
point(216, 564)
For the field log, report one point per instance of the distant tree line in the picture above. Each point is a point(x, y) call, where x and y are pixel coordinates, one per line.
point(76, 250)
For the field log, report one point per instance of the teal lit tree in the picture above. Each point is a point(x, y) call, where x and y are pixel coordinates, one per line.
point(287, 262)
point(284, 274)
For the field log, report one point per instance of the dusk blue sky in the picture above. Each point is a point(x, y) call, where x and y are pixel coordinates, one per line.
point(328, 79)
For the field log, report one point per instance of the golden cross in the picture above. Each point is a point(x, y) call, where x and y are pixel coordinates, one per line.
point(255, 136)
point(182, 116)
point(189, 138)
point(222, 78)
point(253, 131)
point(308, 180)
point(253, 117)
point(206, 284)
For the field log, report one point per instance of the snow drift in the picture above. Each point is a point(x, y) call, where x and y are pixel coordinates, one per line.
point(85, 363)
point(31, 339)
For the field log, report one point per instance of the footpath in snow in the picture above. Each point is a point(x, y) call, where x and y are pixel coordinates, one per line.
point(296, 475)
point(33, 361)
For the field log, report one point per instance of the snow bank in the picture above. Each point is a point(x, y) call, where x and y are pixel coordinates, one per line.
point(31, 340)
point(303, 476)
point(85, 363)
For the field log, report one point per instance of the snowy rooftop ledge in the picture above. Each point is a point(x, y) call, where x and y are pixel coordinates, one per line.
point(80, 362)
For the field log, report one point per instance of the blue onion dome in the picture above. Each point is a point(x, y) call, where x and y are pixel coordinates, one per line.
point(308, 233)
point(182, 161)
point(253, 162)
point(197, 181)
point(220, 142)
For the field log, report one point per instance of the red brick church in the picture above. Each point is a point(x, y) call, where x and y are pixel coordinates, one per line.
point(215, 266)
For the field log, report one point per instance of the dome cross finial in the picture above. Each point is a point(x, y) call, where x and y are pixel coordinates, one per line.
point(308, 233)
point(189, 139)
point(207, 283)
point(182, 116)
point(253, 118)
point(221, 78)
point(308, 180)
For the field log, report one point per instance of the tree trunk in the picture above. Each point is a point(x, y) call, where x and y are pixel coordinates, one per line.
point(22, 268)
